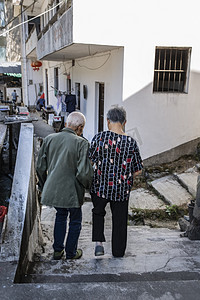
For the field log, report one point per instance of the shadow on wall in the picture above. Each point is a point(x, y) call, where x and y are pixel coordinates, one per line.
point(136, 113)
point(162, 121)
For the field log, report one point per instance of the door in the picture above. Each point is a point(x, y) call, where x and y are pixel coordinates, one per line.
point(47, 89)
point(77, 93)
point(99, 106)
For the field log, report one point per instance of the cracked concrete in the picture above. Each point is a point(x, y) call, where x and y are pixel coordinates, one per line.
point(149, 250)
point(188, 179)
point(172, 192)
point(144, 199)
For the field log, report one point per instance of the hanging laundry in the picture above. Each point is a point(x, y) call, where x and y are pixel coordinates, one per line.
point(59, 98)
point(70, 101)
point(63, 104)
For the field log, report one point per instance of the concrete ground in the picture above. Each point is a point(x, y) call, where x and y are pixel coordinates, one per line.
point(158, 264)
point(129, 290)
point(41, 128)
point(149, 251)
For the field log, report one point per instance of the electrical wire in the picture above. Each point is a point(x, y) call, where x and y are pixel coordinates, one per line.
point(3, 34)
point(92, 69)
point(69, 68)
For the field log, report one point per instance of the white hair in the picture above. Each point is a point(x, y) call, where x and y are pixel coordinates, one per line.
point(75, 119)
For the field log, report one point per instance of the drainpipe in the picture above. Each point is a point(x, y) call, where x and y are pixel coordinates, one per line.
point(24, 60)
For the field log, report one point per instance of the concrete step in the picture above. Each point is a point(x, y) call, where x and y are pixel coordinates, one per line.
point(171, 191)
point(188, 179)
point(144, 199)
point(157, 251)
point(111, 278)
point(163, 286)
point(148, 250)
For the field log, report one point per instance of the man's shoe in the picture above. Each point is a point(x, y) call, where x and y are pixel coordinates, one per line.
point(99, 250)
point(58, 255)
point(78, 255)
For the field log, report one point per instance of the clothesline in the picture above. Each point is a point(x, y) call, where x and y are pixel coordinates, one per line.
point(67, 101)
point(59, 91)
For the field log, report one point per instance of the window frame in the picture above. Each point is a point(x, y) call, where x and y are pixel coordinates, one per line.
point(170, 64)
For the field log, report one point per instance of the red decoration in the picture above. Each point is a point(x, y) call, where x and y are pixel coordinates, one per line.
point(3, 212)
point(36, 65)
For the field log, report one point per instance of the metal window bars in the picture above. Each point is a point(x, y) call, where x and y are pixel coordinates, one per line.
point(171, 69)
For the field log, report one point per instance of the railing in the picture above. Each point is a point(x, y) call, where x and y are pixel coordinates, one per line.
point(65, 6)
point(31, 32)
point(22, 231)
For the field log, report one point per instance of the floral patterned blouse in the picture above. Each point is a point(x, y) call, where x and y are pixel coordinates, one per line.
point(116, 158)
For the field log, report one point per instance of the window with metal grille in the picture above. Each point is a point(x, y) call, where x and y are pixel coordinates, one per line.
point(171, 70)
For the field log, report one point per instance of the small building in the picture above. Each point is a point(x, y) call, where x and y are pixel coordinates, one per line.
point(10, 52)
point(10, 80)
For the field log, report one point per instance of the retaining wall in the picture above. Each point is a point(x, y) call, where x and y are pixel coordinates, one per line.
point(22, 233)
point(189, 148)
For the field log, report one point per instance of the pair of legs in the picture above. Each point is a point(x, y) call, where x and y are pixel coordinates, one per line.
point(75, 220)
point(119, 211)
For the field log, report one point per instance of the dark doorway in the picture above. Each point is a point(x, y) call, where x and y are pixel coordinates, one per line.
point(69, 86)
point(101, 107)
point(47, 89)
point(77, 93)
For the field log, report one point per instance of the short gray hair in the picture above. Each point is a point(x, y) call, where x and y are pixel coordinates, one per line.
point(76, 119)
point(116, 114)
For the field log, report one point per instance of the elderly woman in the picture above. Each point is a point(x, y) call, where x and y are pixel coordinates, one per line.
point(116, 160)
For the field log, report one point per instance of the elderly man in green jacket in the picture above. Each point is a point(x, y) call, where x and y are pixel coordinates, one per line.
point(64, 171)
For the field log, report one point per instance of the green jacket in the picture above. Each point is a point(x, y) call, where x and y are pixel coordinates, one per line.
point(64, 169)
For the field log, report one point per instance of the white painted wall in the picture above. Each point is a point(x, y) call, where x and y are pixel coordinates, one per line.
point(104, 67)
point(62, 67)
point(162, 122)
point(139, 26)
point(159, 122)
point(33, 89)
point(90, 70)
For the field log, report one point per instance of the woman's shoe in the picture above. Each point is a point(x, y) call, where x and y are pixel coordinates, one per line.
point(99, 250)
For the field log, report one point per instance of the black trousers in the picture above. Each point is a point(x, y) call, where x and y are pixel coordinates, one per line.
point(119, 211)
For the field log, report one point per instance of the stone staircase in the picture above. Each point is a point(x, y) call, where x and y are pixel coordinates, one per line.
point(148, 249)
point(151, 253)
point(175, 189)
